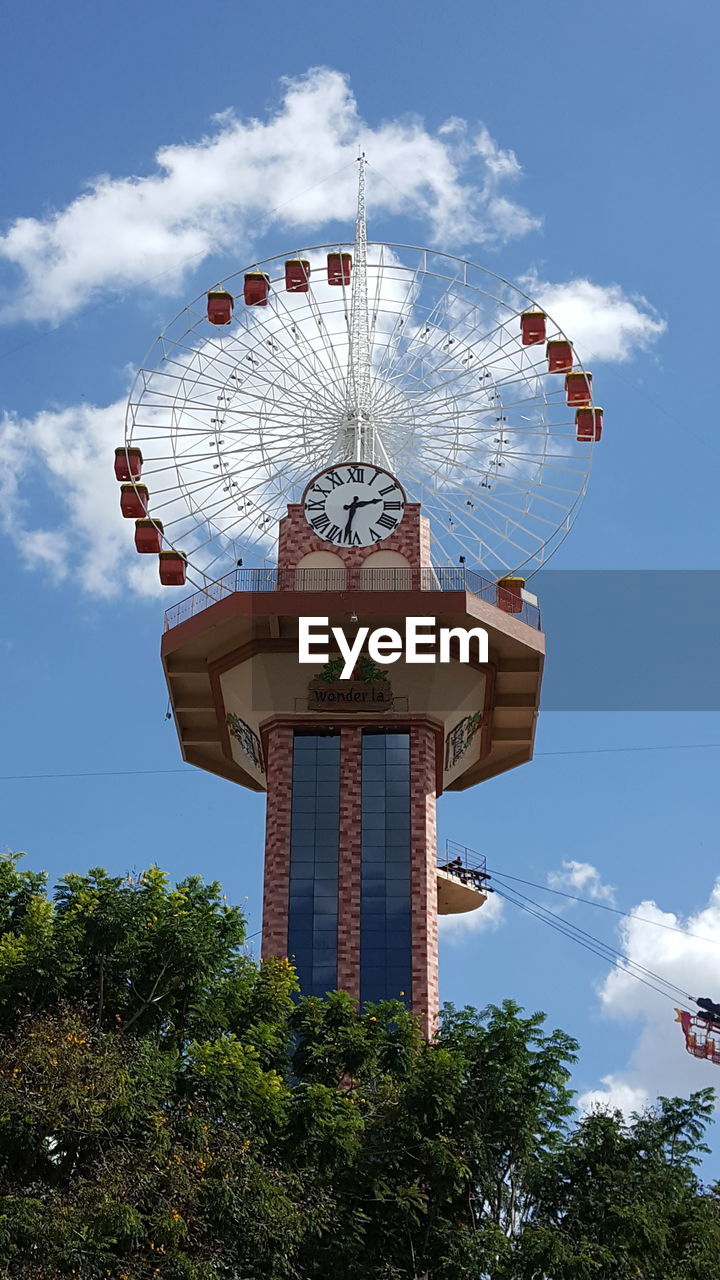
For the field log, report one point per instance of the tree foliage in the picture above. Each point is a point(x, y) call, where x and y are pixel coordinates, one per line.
point(170, 1109)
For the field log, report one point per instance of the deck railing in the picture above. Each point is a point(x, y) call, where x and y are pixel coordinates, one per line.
point(447, 578)
point(466, 864)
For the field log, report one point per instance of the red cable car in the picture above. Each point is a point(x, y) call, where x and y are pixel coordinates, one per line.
point(339, 266)
point(148, 536)
point(702, 1038)
point(509, 594)
point(256, 289)
point(128, 463)
point(578, 387)
point(297, 275)
point(134, 502)
point(173, 566)
point(533, 325)
point(559, 355)
point(588, 423)
point(220, 305)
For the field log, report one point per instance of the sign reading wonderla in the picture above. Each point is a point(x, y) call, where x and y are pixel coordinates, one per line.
point(423, 642)
point(369, 690)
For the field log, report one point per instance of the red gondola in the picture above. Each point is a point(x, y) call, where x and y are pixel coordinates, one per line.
point(256, 289)
point(128, 463)
point(559, 355)
point(509, 594)
point(220, 305)
point(702, 1038)
point(588, 423)
point(173, 566)
point(578, 387)
point(297, 275)
point(533, 326)
point(339, 266)
point(148, 536)
point(134, 501)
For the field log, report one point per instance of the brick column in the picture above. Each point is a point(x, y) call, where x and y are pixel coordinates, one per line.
point(423, 877)
point(348, 954)
point(276, 888)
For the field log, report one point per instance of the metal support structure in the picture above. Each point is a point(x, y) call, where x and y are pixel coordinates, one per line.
point(361, 429)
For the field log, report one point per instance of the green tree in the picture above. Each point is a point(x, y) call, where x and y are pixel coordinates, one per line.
point(168, 1108)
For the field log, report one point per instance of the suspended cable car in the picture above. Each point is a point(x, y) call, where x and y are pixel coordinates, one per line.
point(588, 423)
point(134, 501)
point(148, 536)
point(578, 387)
point(339, 266)
point(533, 326)
point(297, 275)
point(173, 568)
point(220, 305)
point(702, 1037)
point(128, 463)
point(559, 355)
point(509, 594)
point(256, 289)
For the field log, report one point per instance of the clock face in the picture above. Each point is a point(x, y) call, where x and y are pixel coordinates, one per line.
point(354, 504)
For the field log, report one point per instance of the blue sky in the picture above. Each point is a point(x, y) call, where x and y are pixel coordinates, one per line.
point(609, 114)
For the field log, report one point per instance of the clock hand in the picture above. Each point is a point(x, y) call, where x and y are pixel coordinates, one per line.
point(370, 502)
point(351, 508)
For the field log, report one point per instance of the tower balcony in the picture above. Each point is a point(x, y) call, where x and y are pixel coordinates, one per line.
point(462, 880)
point(432, 579)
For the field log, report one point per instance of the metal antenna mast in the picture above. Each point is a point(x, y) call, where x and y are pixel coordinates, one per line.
point(361, 430)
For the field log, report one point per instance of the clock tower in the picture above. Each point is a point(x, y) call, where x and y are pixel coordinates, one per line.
point(414, 431)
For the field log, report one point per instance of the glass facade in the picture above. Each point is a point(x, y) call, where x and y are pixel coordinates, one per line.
point(314, 838)
point(385, 953)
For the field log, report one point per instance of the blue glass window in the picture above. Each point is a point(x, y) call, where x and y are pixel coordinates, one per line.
point(314, 837)
point(385, 952)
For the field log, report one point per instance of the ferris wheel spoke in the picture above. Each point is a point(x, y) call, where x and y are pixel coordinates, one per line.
point(506, 482)
point(446, 340)
point(338, 380)
point(248, 358)
point(458, 519)
point(395, 337)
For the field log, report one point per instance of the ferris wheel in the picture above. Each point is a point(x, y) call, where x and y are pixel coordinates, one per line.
point(429, 366)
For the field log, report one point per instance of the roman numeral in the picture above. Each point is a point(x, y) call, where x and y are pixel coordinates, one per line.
point(317, 489)
point(335, 479)
point(390, 488)
point(315, 506)
point(334, 534)
point(392, 506)
point(353, 539)
point(320, 522)
point(357, 474)
point(376, 537)
point(387, 522)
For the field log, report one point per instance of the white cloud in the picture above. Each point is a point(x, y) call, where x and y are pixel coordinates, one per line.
point(489, 916)
point(689, 958)
point(294, 168)
point(69, 454)
point(603, 322)
point(583, 879)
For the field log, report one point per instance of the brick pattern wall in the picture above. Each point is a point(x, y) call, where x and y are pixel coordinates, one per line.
point(423, 877)
point(349, 868)
point(276, 890)
point(411, 539)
